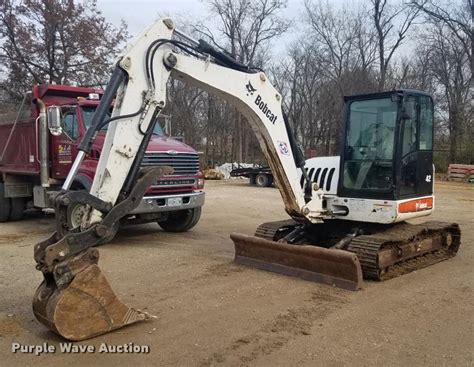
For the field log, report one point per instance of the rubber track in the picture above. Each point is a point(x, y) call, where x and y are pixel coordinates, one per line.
point(367, 247)
point(268, 230)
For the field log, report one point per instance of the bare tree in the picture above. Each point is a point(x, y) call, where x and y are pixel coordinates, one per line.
point(336, 57)
point(450, 67)
point(447, 43)
point(389, 36)
point(246, 28)
point(415, 71)
point(55, 41)
point(345, 41)
point(457, 19)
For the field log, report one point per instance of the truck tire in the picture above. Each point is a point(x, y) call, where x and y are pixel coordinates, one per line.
point(263, 180)
point(181, 220)
point(74, 215)
point(5, 205)
point(17, 209)
point(270, 180)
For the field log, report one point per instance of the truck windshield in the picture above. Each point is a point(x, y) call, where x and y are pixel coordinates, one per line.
point(369, 147)
point(88, 112)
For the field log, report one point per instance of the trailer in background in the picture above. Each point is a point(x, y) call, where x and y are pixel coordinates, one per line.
point(258, 175)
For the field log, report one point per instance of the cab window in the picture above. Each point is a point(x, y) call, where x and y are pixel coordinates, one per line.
point(370, 145)
point(70, 125)
point(409, 149)
point(417, 138)
point(426, 123)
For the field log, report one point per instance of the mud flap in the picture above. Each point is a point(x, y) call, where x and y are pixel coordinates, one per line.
point(328, 266)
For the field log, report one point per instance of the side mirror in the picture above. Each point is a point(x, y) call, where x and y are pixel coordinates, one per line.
point(409, 110)
point(54, 120)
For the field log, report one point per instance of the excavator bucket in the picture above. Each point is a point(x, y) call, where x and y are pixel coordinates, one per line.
point(87, 307)
point(328, 266)
point(84, 307)
point(75, 300)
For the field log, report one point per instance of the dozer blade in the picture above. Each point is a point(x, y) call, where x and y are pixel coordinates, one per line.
point(84, 308)
point(328, 266)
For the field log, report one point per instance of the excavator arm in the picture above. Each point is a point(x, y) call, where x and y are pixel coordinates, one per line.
point(255, 97)
point(143, 73)
point(75, 300)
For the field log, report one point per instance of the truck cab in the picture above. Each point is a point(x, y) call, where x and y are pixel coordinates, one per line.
point(37, 158)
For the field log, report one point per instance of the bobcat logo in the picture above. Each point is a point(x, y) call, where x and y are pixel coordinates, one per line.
point(250, 89)
point(261, 104)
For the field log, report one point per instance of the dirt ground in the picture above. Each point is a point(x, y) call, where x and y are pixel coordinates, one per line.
point(212, 312)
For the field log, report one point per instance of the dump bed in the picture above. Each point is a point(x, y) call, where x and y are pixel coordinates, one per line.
point(19, 153)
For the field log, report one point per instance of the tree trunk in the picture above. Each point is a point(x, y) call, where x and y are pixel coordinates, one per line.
point(453, 134)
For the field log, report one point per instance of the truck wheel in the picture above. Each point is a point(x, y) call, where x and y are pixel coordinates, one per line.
point(181, 220)
point(270, 180)
point(5, 205)
point(75, 213)
point(17, 208)
point(262, 180)
point(74, 219)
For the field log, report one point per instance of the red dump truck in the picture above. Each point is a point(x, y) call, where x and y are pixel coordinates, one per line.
point(35, 159)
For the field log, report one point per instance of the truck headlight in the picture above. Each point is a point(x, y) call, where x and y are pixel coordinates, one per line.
point(200, 183)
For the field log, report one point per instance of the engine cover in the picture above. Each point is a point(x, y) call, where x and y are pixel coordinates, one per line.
point(325, 172)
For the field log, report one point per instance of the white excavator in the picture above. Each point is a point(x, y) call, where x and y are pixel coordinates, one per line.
point(347, 213)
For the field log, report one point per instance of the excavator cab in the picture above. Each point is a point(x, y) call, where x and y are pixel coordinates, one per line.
point(387, 151)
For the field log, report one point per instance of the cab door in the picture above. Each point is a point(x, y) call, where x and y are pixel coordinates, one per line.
point(367, 161)
point(64, 147)
point(416, 153)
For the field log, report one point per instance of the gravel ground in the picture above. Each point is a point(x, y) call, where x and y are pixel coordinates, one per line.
point(213, 312)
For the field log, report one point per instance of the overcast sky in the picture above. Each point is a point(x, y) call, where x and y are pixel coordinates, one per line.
point(139, 14)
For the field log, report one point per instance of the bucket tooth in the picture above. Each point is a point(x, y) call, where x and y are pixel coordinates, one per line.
point(328, 266)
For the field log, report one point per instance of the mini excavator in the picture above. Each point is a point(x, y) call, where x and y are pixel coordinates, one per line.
point(347, 213)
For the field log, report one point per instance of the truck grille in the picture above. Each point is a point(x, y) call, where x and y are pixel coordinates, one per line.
point(183, 163)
